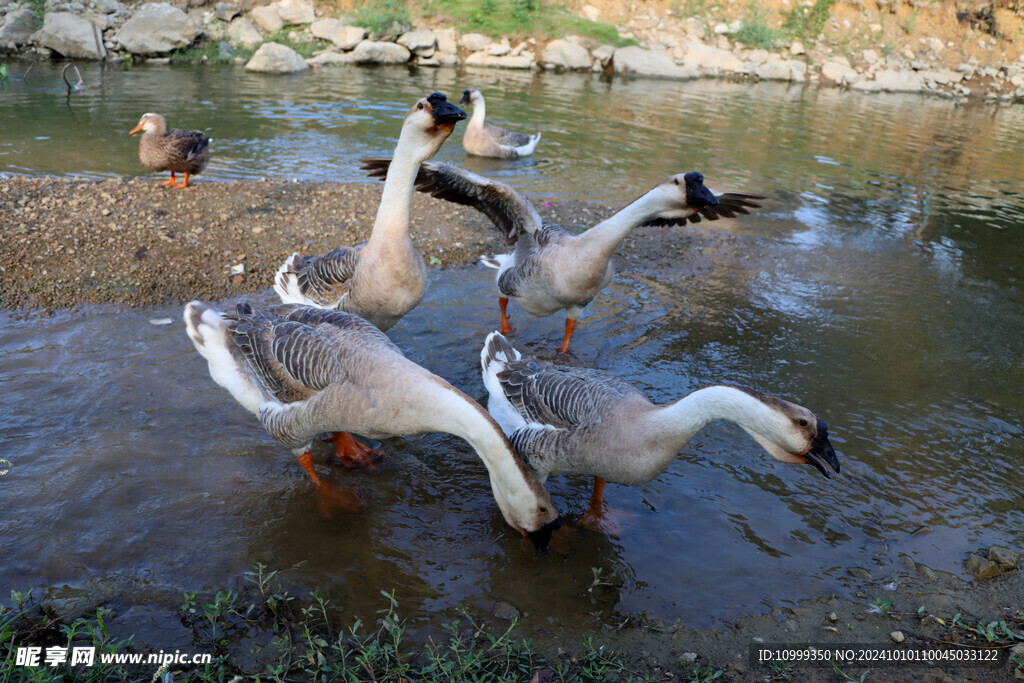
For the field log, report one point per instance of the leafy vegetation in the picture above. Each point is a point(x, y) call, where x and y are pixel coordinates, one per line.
point(755, 31)
point(264, 632)
point(214, 52)
point(523, 17)
point(383, 16)
point(807, 22)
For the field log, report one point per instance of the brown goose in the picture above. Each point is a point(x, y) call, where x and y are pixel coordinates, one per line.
point(305, 370)
point(385, 277)
point(552, 269)
point(582, 421)
point(492, 141)
point(174, 150)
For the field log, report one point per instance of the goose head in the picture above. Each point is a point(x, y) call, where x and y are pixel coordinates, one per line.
point(527, 507)
point(429, 123)
point(150, 123)
point(470, 96)
point(790, 433)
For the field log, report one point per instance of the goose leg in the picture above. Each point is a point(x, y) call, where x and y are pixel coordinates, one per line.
point(184, 183)
point(599, 519)
point(170, 183)
point(351, 453)
point(506, 328)
point(597, 498)
point(570, 327)
point(342, 496)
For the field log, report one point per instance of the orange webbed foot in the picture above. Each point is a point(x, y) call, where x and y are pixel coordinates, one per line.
point(353, 455)
point(339, 496)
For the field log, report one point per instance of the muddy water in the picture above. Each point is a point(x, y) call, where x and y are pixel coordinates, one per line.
point(880, 286)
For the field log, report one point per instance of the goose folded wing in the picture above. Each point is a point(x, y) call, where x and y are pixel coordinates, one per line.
point(504, 136)
point(510, 211)
point(559, 397)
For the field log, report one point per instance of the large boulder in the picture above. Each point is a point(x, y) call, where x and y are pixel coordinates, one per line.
point(242, 33)
point(157, 27)
point(500, 61)
point(474, 42)
point(295, 11)
point(71, 36)
point(565, 54)
point(18, 27)
point(378, 52)
point(331, 57)
point(776, 69)
point(713, 60)
point(839, 71)
point(338, 32)
point(421, 43)
point(275, 58)
point(655, 63)
point(898, 80)
point(266, 19)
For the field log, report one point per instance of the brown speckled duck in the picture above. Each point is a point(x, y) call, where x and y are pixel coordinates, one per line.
point(174, 150)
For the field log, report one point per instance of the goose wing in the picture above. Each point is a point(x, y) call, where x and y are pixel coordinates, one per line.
point(510, 211)
point(504, 136)
point(560, 397)
point(729, 204)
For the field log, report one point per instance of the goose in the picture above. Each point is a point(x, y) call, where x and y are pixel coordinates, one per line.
point(385, 277)
point(584, 421)
point(304, 370)
point(174, 150)
point(552, 269)
point(492, 141)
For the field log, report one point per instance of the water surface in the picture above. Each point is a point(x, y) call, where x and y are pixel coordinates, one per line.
point(879, 286)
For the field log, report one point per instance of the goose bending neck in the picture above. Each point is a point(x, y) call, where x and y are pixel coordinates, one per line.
point(676, 423)
point(455, 413)
point(610, 232)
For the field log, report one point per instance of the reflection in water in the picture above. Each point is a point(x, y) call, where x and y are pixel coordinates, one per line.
point(880, 287)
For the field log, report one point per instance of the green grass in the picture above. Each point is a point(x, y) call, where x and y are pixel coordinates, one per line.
point(382, 16)
point(265, 632)
point(521, 18)
point(806, 22)
point(755, 31)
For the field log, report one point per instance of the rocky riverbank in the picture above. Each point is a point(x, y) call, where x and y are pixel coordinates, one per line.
point(954, 49)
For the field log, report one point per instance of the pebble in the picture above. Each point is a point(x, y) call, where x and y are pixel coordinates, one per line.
point(897, 636)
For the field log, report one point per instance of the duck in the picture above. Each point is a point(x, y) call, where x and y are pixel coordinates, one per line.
point(304, 370)
point(552, 269)
point(492, 141)
point(384, 277)
point(174, 150)
point(564, 419)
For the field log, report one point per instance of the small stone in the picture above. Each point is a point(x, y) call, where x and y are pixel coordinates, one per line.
point(503, 610)
point(982, 568)
point(688, 657)
point(833, 617)
point(897, 636)
point(1004, 557)
point(858, 573)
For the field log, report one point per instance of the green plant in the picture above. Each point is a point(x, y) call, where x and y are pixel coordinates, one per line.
point(881, 606)
point(910, 23)
point(379, 16)
point(754, 31)
point(704, 674)
point(523, 17)
point(807, 22)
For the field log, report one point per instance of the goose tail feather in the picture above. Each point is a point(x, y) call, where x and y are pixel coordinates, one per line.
point(286, 282)
point(211, 334)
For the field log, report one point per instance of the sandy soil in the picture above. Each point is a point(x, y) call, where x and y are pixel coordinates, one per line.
point(129, 242)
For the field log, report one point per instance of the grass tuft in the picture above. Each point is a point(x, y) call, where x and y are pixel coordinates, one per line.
point(518, 18)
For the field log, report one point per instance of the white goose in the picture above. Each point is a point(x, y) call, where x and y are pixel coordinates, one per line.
point(583, 421)
point(305, 370)
point(552, 269)
point(492, 141)
point(385, 277)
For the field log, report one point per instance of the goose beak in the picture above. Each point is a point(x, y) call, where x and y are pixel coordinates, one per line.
point(822, 452)
point(465, 98)
point(697, 194)
point(542, 536)
point(136, 130)
point(444, 111)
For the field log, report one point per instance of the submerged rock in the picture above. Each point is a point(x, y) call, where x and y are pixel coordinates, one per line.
point(982, 568)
